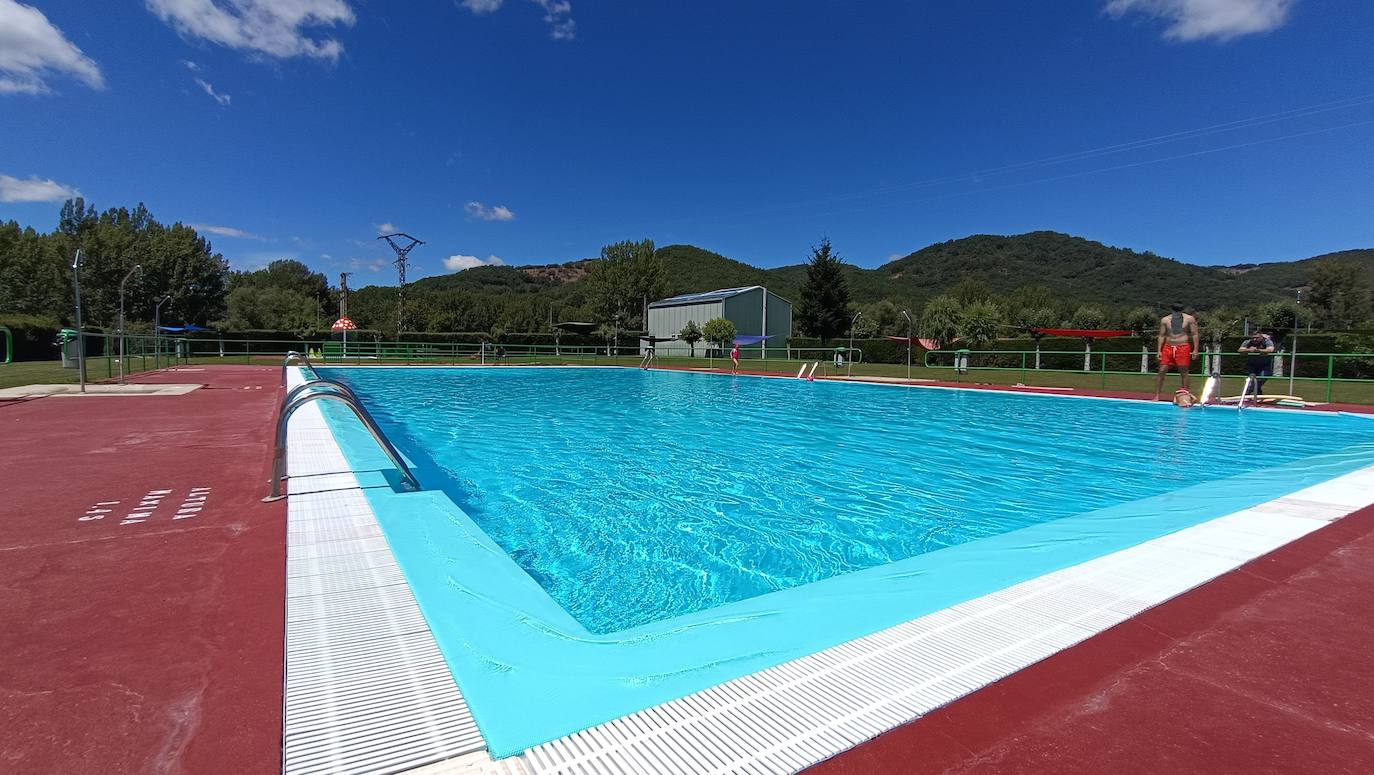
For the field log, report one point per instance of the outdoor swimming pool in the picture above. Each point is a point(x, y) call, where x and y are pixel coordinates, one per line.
point(595, 541)
point(635, 496)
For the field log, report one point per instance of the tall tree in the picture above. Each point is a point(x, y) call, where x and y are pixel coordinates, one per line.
point(691, 334)
point(980, 323)
point(1342, 293)
point(823, 310)
point(941, 320)
point(719, 332)
point(624, 280)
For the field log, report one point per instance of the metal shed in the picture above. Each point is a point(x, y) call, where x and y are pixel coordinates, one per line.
point(754, 310)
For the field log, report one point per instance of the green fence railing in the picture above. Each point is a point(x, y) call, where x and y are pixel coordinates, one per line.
point(9, 343)
point(1327, 371)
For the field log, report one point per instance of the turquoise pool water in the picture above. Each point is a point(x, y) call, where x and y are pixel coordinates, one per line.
point(633, 497)
point(595, 542)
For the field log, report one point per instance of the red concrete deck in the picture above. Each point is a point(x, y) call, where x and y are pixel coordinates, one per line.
point(150, 644)
point(1268, 669)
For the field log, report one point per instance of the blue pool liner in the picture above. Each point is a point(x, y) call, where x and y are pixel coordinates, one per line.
point(530, 673)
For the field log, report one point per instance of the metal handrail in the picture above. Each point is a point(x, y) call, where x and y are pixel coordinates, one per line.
point(287, 361)
point(9, 343)
point(279, 453)
point(319, 382)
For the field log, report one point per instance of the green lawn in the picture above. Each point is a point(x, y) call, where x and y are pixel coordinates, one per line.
point(51, 372)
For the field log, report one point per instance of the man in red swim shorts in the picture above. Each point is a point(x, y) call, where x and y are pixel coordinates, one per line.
point(1178, 346)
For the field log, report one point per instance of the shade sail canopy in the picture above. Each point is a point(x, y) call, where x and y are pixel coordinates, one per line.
point(184, 328)
point(1086, 333)
point(745, 341)
point(927, 343)
point(575, 327)
point(657, 339)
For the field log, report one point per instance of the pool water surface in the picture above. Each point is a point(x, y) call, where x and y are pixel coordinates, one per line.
point(632, 497)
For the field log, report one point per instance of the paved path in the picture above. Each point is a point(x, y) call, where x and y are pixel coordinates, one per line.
point(141, 580)
point(1268, 669)
point(141, 588)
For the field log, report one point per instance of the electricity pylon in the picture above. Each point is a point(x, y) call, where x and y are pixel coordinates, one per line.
point(400, 262)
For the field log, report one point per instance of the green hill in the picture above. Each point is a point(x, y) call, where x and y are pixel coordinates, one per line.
point(1075, 271)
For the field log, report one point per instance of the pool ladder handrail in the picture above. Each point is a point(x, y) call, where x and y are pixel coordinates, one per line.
point(334, 391)
point(286, 361)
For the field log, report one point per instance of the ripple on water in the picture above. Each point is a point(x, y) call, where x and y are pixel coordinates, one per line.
point(636, 496)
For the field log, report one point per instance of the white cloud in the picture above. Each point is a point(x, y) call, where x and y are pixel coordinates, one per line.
point(226, 231)
point(1199, 19)
point(557, 14)
point(189, 65)
point(481, 212)
point(277, 28)
point(459, 263)
point(33, 190)
point(32, 49)
point(222, 99)
point(370, 264)
point(481, 6)
point(385, 228)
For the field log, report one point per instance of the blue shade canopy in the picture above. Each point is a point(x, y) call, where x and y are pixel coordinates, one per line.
point(186, 328)
point(745, 341)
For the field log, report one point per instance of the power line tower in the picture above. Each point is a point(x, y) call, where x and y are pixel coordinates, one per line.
point(400, 262)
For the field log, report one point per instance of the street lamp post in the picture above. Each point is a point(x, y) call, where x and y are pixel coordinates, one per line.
point(849, 362)
point(157, 331)
point(137, 268)
point(908, 345)
point(80, 332)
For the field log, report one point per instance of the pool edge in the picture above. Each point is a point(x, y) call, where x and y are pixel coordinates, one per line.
point(632, 742)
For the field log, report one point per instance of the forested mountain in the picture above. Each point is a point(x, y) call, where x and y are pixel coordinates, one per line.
point(1053, 275)
point(1073, 269)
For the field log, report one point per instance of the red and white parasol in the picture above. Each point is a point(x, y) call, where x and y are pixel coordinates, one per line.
point(343, 324)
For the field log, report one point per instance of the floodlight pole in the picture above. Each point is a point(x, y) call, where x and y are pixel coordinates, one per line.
point(137, 268)
point(80, 332)
point(157, 331)
point(908, 345)
point(400, 262)
point(343, 307)
point(849, 361)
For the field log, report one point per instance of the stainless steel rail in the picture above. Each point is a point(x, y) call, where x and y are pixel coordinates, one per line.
point(322, 383)
point(287, 361)
point(347, 399)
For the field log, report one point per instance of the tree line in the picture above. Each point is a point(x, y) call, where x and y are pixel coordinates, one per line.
point(179, 265)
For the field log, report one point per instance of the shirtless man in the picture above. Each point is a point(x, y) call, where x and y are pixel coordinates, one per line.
point(1178, 345)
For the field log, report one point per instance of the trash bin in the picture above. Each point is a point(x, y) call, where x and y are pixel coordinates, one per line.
point(961, 361)
point(69, 341)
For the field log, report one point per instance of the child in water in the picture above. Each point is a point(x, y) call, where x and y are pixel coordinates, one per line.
point(1184, 400)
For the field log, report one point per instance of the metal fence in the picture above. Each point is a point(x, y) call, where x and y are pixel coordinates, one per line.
point(1344, 377)
point(1328, 372)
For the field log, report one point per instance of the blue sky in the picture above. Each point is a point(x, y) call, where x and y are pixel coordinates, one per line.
point(534, 131)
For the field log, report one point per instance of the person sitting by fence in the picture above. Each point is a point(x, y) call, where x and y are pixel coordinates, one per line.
point(1259, 361)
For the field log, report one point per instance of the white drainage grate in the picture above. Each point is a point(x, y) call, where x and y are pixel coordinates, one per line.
point(800, 713)
point(367, 690)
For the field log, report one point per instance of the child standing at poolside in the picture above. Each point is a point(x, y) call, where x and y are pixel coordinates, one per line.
point(734, 359)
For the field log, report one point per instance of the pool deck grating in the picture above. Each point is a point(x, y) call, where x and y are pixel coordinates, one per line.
point(367, 689)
